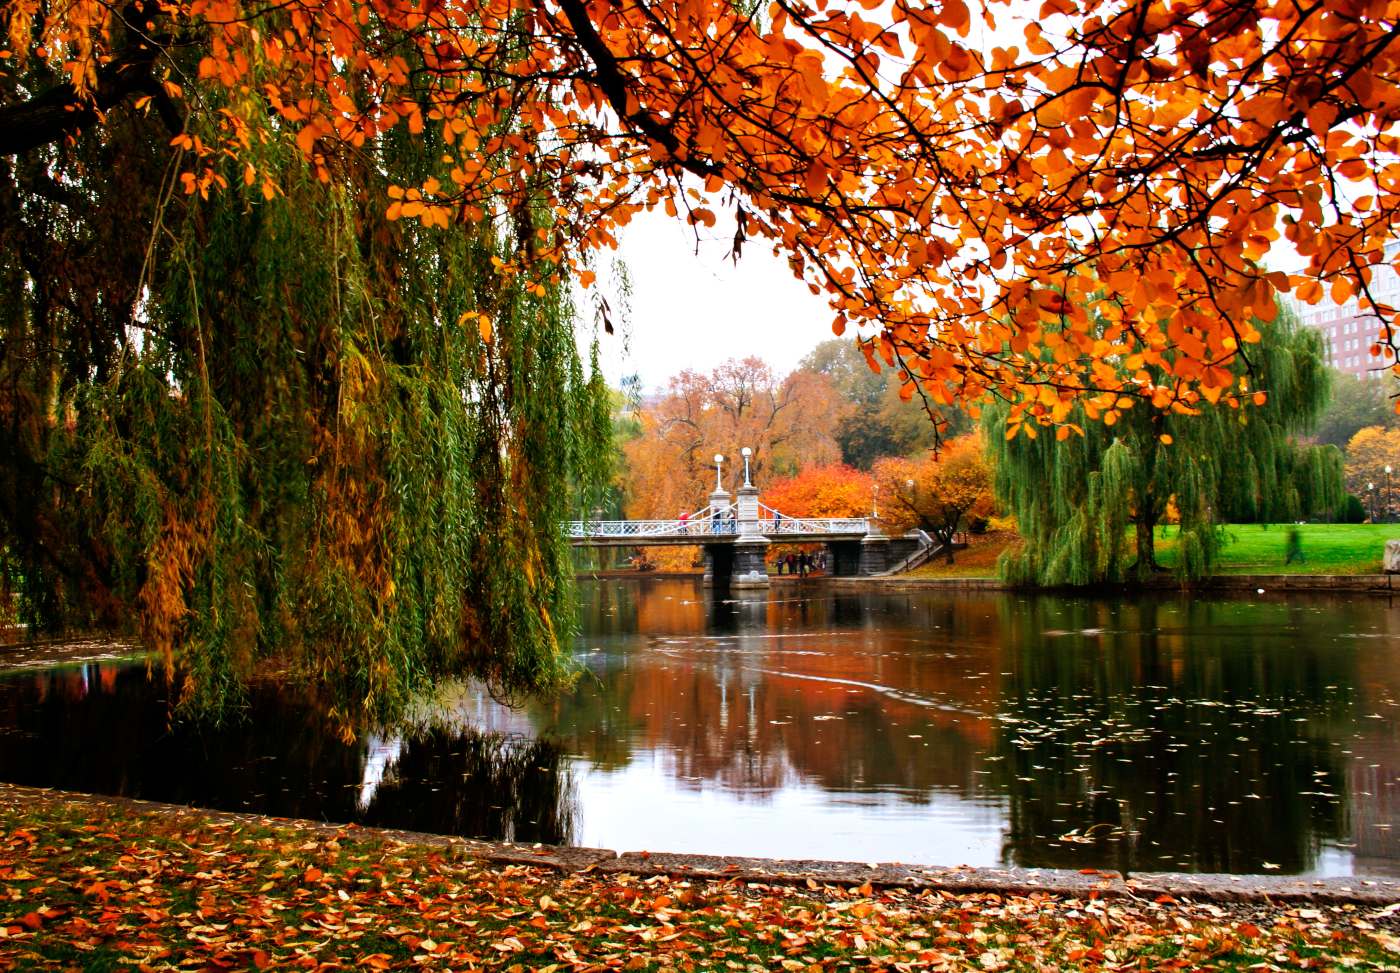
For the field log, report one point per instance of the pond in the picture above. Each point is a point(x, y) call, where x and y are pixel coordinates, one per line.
point(1168, 733)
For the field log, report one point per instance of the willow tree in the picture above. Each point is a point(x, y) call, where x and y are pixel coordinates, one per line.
point(1088, 500)
point(270, 429)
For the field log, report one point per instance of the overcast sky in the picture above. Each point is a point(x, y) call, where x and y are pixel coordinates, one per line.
point(694, 310)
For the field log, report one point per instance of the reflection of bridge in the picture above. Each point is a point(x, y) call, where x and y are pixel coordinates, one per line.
point(736, 537)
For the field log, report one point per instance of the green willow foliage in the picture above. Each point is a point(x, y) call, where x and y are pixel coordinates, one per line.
point(1087, 506)
point(258, 433)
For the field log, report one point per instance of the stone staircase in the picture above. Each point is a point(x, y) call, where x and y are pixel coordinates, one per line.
point(925, 550)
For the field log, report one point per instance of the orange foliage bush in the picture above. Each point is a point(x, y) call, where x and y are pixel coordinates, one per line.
point(833, 490)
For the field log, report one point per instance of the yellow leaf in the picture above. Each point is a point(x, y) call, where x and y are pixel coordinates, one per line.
point(483, 324)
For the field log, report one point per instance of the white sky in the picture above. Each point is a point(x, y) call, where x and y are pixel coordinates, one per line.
point(694, 310)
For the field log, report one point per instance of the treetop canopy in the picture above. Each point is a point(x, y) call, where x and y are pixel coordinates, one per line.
point(1074, 209)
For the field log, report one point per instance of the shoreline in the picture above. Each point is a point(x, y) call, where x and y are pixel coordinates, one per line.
point(568, 860)
point(108, 883)
point(1383, 584)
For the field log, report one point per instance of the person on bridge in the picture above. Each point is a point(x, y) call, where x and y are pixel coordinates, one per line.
point(684, 518)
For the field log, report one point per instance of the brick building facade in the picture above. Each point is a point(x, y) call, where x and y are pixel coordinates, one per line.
point(1349, 332)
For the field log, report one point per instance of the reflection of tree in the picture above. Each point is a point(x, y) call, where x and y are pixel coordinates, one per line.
point(479, 785)
point(1173, 733)
point(752, 703)
point(104, 729)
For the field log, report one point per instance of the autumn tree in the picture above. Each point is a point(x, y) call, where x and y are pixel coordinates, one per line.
point(963, 199)
point(786, 422)
point(832, 490)
point(1368, 454)
point(936, 493)
point(1088, 499)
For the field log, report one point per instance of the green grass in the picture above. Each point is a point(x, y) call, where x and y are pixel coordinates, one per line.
point(1259, 549)
point(1249, 549)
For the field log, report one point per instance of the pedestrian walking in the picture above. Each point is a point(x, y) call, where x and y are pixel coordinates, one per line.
point(1293, 547)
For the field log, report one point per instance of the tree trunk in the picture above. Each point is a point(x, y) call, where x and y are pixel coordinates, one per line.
point(944, 536)
point(1144, 526)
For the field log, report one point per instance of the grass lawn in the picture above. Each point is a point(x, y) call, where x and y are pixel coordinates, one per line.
point(113, 888)
point(1249, 549)
point(1329, 548)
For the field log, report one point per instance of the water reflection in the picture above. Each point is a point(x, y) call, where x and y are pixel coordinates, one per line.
point(104, 728)
point(944, 728)
point(1153, 734)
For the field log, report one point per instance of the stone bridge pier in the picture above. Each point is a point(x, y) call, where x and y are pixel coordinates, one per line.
point(843, 558)
point(741, 561)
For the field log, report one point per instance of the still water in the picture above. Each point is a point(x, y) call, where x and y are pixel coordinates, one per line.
point(943, 728)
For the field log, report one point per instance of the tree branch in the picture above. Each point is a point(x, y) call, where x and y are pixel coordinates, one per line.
point(613, 81)
point(61, 112)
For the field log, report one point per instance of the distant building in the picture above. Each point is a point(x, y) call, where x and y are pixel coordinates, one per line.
point(1350, 332)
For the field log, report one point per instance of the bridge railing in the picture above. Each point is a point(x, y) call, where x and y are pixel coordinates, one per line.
point(698, 528)
point(776, 524)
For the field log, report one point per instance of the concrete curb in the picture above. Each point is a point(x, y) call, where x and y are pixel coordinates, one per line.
point(1261, 889)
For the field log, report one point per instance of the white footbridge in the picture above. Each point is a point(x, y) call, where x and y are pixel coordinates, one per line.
point(736, 534)
point(717, 524)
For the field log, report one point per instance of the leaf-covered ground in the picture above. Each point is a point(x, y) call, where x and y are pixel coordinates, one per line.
point(100, 887)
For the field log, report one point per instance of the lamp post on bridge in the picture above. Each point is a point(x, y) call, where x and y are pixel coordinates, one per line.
point(719, 462)
point(1387, 493)
point(750, 547)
